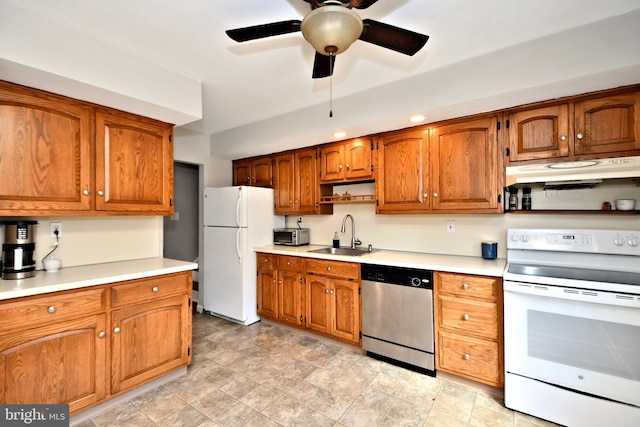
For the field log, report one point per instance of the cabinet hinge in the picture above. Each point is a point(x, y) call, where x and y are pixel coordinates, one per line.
point(170, 138)
point(498, 124)
point(359, 290)
point(508, 151)
point(317, 205)
point(371, 145)
point(508, 123)
point(301, 280)
point(499, 198)
point(189, 303)
point(170, 202)
point(301, 318)
point(360, 334)
point(188, 351)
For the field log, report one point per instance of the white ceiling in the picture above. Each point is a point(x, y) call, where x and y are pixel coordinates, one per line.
point(259, 97)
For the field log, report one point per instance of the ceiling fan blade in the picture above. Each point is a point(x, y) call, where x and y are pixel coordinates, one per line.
point(264, 30)
point(362, 4)
point(394, 38)
point(323, 66)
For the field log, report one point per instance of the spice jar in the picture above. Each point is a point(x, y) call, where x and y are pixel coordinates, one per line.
point(513, 199)
point(526, 199)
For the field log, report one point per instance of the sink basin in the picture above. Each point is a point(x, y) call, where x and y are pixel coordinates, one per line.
point(342, 251)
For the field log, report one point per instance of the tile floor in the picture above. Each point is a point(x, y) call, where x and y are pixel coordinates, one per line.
point(269, 375)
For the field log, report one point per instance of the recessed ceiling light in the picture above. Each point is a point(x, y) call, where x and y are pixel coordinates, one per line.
point(417, 118)
point(340, 134)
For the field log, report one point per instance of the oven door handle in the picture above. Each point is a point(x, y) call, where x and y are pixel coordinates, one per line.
point(573, 294)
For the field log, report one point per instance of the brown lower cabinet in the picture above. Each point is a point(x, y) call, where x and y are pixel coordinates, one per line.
point(468, 323)
point(86, 346)
point(319, 295)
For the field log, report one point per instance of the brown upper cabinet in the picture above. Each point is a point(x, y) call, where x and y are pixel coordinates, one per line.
point(449, 168)
point(296, 185)
point(256, 171)
point(60, 156)
point(347, 161)
point(579, 128)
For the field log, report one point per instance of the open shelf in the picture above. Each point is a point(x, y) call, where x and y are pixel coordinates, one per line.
point(573, 212)
point(348, 198)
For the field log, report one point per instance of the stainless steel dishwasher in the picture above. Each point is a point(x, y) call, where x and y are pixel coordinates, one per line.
point(397, 316)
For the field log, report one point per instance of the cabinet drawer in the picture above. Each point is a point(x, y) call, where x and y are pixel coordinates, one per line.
point(290, 263)
point(265, 261)
point(468, 286)
point(51, 308)
point(346, 270)
point(470, 357)
point(468, 316)
point(149, 288)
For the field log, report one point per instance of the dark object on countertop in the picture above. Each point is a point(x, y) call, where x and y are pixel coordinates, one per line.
point(336, 240)
point(606, 206)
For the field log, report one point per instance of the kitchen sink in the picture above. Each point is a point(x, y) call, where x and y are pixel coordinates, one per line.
point(343, 251)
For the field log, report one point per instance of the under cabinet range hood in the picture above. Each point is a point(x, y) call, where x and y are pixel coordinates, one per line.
point(585, 173)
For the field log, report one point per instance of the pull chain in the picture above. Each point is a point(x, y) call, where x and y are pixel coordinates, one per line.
point(331, 85)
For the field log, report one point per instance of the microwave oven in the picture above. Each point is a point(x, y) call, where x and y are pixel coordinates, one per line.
point(291, 236)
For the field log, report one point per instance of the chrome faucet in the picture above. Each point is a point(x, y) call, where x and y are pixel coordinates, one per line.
point(354, 240)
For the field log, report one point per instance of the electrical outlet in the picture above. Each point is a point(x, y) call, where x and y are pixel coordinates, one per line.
point(53, 226)
point(451, 226)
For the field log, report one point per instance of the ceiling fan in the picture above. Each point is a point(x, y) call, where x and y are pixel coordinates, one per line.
point(331, 27)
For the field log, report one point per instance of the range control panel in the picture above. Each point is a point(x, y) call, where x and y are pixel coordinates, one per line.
point(620, 242)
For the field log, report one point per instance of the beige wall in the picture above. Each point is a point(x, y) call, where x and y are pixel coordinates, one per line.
point(427, 233)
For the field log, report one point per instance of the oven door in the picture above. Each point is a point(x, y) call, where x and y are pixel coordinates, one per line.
point(580, 339)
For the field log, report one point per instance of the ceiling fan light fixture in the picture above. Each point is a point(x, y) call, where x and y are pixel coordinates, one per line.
point(331, 29)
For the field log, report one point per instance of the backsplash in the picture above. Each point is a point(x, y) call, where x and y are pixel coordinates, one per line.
point(428, 233)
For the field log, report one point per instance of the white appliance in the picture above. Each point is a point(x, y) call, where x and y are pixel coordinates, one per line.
point(236, 220)
point(572, 325)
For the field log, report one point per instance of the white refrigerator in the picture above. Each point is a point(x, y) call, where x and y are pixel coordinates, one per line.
point(236, 220)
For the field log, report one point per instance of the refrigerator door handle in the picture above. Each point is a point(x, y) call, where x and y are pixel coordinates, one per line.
point(238, 252)
point(238, 208)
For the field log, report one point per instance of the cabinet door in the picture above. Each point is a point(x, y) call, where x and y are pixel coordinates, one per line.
point(403, 162)
point(540, 133)
point(134, 164)
point(318, 300)
point(149, 340)
point(464, 172)
point(345, 310)
point(331, 163)
point(289, 284)
point(262, 172)
point(306, 183)
point(608, 125)
point(242, 172)
point(268, 293)
point(283, 174)
point(358, 159)
point(45, 153)
point(58, 363)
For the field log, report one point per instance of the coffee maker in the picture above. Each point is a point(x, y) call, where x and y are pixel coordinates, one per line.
point(18, 249)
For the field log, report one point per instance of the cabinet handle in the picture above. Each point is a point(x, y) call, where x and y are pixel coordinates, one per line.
point(116, 330)
point(465, 317)
point(579, 136)
point(328, 268)
point(273, 281)
point(466, 357)
point(331, 291)
point(425, 195)
point(465, 286)
point(340, 167)
point(100, 193)
point(52, 309)
point(155, 289)
point(435, 194)
point(326, 291)
point(297, 201)
point(266, 260)
point(563, 137)
point(102, 334)
point(85, 192)
point(288, 262)
point(347, 165)
point(280, 282)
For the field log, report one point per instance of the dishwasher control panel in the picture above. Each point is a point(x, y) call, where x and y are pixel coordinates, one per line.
point(402, 276)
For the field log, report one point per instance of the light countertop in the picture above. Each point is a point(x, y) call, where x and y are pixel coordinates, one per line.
point(90, 275)
point(436, 262)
